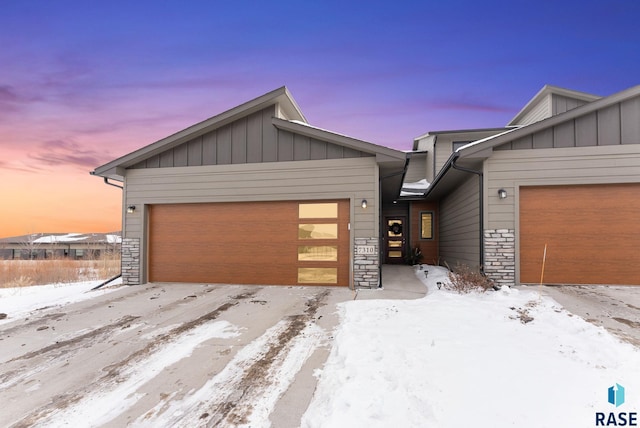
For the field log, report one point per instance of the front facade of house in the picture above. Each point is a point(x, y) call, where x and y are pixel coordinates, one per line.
point(256, 195)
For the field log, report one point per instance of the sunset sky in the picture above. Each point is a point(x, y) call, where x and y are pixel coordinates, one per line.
point(84, 82)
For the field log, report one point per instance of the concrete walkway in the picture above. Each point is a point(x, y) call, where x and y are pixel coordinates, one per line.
point(398, 282)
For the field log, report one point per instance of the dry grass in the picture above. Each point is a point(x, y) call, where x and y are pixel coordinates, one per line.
point(23, 273)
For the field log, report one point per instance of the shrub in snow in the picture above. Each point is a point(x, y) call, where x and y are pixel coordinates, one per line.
point(464, 279)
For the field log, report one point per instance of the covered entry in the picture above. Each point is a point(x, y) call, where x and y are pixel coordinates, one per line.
point(273, 243)
point(592, 234)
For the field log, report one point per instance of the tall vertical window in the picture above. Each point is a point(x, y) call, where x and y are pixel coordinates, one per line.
point(426, 225)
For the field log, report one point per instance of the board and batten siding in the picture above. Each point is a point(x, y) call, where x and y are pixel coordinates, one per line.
point(251, 139)
point(459, 225)
point(563, 104)
point(353, 178)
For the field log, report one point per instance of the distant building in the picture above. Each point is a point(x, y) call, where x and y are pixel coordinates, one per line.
point(76, 246)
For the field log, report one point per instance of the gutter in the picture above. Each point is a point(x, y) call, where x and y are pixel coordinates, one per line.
point(106, 181)
point(380, 217)
point(480, 175)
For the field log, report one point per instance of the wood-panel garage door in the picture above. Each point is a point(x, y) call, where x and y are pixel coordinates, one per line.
point(592, 233)
point(273, 243)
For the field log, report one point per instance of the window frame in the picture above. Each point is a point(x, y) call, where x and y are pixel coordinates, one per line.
point(432, 231)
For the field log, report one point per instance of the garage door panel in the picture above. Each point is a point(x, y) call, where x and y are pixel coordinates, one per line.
point(245, 243)
point(591, 233)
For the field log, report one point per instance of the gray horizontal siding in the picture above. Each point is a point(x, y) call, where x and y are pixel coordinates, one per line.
point(585, 165)
point(252, 139)
point(442, 151)
point(459, 225)
point(540, 111)
point(354, 179)
point(417, 169)
point(328, 179)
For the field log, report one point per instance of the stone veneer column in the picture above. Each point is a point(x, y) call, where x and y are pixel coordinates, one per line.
point(130, 264)
point(366, 263)
point(500, 256)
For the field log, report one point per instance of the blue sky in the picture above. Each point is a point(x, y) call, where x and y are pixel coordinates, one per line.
point(84, 82)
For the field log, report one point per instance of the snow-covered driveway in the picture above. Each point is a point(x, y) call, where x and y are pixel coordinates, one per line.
point(167, 355)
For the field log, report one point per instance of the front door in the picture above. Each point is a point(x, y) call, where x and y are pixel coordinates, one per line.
point(395, 234)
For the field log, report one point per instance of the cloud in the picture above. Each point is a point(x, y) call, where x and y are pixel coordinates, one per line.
point(9, 99)
point(60, 153)
point(18, 166)
point(465, 105)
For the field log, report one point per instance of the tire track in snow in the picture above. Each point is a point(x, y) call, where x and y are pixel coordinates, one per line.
point(56, 350)
point(246, 390)
point(123, 370)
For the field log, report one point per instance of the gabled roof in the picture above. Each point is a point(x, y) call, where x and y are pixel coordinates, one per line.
point(488, 143)
point(542, 95)
point(281, 96)
point(382, 153)
point(476, 151)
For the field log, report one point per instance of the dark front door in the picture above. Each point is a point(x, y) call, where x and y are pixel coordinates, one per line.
point(395, 239)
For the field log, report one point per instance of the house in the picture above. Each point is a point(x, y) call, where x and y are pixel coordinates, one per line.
point(257, 195)
point(75, 246)
point(552, 198)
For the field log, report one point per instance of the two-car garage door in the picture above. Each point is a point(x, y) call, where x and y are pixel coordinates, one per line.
point(592, 234)
point(272, 243)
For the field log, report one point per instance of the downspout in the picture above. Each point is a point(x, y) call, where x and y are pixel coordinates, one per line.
point(106, 181)
point(381, 226)
point(481, 208)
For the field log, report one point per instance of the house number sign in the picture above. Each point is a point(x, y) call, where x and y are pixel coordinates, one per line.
point(365, 249)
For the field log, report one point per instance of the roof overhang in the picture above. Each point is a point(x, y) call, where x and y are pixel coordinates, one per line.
point(281, 97)
point(473, 154)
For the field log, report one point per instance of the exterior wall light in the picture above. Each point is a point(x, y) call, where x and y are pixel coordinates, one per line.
point(502, 194)
point(364, 204)
point(131, 209)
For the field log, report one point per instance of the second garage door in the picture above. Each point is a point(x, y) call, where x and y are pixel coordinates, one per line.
point(592, 234)
point(272, 243)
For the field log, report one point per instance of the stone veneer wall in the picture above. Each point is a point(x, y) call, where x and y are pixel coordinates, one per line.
point(500, 256)
point(365, 265)
point(130, 261)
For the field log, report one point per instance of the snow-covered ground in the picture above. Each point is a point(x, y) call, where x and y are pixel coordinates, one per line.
point(451, 360)
point(502, 359)
point(19, 301)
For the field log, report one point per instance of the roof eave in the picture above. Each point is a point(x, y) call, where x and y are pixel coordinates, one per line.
point(550, 89)
point(600, 103)
point(383, 154)
point(280, 96)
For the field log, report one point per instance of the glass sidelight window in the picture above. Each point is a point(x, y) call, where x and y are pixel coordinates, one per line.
point(318, 275)
point(317, 243)
point(321, 210)
point(320, 253)
point(318, 231)
point(426, 225)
